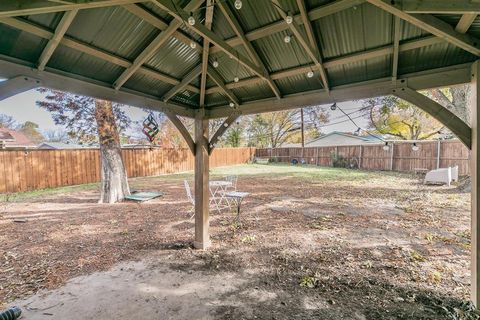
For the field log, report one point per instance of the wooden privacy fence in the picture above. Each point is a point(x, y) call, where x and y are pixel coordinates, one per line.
point(38, 169)
point(399, 157)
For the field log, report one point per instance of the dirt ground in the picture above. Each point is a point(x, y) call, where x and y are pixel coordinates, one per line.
point(314, 243)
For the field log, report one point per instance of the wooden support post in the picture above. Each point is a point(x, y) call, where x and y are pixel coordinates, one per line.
point(202, 236)
point(475, 175)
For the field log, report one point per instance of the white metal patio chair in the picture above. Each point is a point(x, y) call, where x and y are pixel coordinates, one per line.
point(212, 201)
point(231, 188)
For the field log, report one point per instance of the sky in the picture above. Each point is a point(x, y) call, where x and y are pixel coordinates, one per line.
point(22, 107)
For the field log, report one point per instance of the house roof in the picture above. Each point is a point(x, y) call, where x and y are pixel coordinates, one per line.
point(62, 145)
point(348, 135)
point(135, 47)
point(12, 138)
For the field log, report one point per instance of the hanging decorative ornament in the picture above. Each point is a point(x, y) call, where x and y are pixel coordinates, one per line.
point(215, 63)
point(287, 39)
point(289, 19)
point(193, 44)
point(150, 127)
point(191, 20)
point(231, 104)
point(238, 4)
point(310, 74)
point(236, 79)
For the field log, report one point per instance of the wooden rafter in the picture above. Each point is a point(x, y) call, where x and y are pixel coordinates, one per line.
point(53, 43)
point(203, 31)
point(206, 49)
point(439, 6)
point(396, 47)
point(159, 23)
point(182, 129)
point(221, 130)
point(25, 8)
point(221, 85)
point(152, 48)
point(313, 42)
point(195, 72)
point(433, 25)
point(90, 50)
point(14, 86)
point(465, 22)
point(237, 28)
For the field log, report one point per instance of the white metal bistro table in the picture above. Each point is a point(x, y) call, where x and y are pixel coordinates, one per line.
point(218, 189)
point(238, 197)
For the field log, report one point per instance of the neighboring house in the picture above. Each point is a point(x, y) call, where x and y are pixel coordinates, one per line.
point(11, 139)
point(61, 146)
point(340, 139)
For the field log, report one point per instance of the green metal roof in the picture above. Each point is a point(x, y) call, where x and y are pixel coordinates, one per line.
point(118, 33)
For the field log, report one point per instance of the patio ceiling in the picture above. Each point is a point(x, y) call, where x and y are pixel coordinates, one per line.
point(140, 52)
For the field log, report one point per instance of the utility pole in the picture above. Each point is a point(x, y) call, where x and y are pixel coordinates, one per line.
point(302, 128)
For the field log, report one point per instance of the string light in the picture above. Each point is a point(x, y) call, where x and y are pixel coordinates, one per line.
point(238, 4)
point(357, 132)
point(333, 107)
point(191, 20)
point(287, 39)
point(289, 19)
point(215, 64)
point(193, 44)
point(236, 79)
point(415, 147)
point(386, 147)
point(310, 74)
point(231, 104)
point(225, 125)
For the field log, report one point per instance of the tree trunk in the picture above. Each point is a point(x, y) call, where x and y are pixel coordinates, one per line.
point(114, 183)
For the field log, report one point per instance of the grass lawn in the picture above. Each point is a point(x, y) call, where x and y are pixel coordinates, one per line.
point(314, 243)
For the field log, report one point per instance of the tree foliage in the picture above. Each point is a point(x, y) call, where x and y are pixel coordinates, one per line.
point(395, 117)
point(77, 114)
point(30, 129)
point(8, 122)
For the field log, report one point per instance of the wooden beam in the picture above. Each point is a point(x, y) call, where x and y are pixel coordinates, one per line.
point(279, 26)
point(195, 72)
point(419, 81)
point(26, 8)
point(90, 50)
point(60, 80)
point(152, 48)
point(16, 85)
point(182, 129)
point(439, 6)
point(221, 130)
point(433, 25)
point(182, 15)
point(159, 23)
point(237, 28)
point(202, 187)
point(475, 186)
point(396, 47)
point(465, 22)
point(206, 49)
point(53, 43)
point(221, 85)
point(437, 111)
point(313, 42)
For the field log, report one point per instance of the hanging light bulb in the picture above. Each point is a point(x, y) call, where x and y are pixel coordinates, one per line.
point(357, 132)
point(333, 107)
point(289, 19)
point(215, 64)
point(193, 44)
point(231, 104)
point(287, 39)
point(238, 4)
point(236, 79)
point(225, 125)
point(386, 147)
point(191, 19)
point(415, 147)
point(310, 74)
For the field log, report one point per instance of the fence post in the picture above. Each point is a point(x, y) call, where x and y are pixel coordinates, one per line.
point(391, 156)
point(438, 153)
point(316, 157)
point(360, 157)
